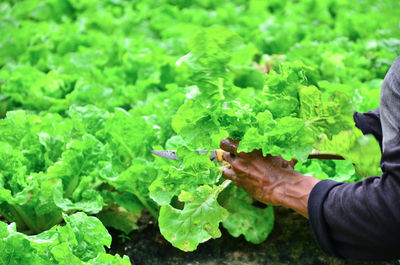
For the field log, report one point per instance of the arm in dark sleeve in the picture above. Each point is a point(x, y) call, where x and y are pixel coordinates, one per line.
point(369, 123)
point(361, 220)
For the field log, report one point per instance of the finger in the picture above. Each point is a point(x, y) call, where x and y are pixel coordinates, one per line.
point(229, 173)
point(278, 160)
point(229, 157)
point(256, 152)
point(242, 174)
point(248, 184)
point(229, 145)
point(241, 167)
point(248, 181)
point(293, 162)
point(224, 163)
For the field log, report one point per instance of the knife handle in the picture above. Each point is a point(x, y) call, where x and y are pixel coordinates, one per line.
point(218, 154)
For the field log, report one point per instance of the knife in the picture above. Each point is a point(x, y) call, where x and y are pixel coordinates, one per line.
point(216, 155)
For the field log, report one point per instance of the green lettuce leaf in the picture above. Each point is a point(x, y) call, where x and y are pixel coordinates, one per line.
point(129, 137)
point(245, 219)
point(196, 169)
point(353, 146)
point(195, 124)
point(197, 222)
point(78, 171)
point(80, 241)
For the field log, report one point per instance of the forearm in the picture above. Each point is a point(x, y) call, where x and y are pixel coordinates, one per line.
point(357, 220)
point(293, 192)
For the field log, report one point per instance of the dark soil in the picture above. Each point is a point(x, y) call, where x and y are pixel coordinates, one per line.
point(291, 242)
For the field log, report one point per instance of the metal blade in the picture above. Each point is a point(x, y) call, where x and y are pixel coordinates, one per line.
point(168, 154)
point(330, 156)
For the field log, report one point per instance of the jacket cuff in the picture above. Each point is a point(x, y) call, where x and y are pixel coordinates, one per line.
point(316, 215)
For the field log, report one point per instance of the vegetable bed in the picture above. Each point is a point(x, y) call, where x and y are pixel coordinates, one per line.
point(89, 88)
point(291, 242)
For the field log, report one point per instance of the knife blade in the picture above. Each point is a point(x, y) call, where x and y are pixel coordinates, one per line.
point(216, 155)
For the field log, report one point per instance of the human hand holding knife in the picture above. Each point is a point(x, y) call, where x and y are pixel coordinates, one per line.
point(269, 179)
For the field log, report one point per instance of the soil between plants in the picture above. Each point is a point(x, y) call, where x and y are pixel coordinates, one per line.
point(291, 242)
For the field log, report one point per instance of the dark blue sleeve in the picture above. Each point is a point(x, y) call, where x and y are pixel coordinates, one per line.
point(316, 214)
point(361, 220)
point(369, 123)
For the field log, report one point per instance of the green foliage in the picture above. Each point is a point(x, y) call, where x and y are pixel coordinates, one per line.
point(244, 218)
point(197, 222)
point(353, 145)
point(80, 241)
point(88, 88)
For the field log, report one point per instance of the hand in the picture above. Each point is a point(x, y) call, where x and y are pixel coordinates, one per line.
point(256, 174)
point(271, 179)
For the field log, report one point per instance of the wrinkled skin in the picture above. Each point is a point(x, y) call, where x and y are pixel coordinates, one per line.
point(271, 179)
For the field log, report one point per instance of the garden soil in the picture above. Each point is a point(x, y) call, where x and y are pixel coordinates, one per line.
point(291, 242)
